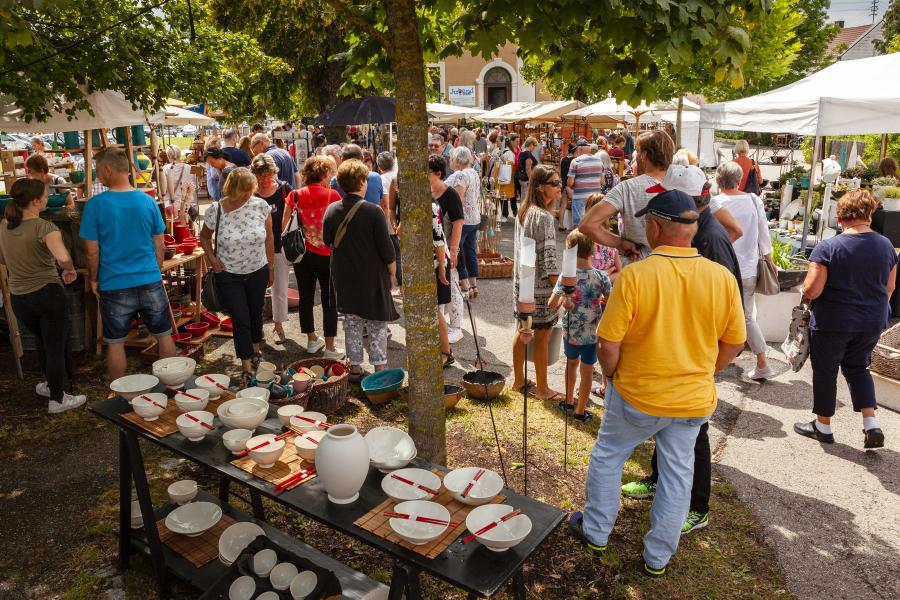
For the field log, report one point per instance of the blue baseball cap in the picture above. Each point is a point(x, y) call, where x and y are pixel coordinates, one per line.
point(669, 205)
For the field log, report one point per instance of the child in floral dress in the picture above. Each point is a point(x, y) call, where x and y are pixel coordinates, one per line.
point(604, 258)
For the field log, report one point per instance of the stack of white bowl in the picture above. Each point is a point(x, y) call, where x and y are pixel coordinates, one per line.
point(174, 371)
point(243, 413)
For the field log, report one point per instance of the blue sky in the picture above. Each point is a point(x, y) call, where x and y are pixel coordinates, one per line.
point(855, 12)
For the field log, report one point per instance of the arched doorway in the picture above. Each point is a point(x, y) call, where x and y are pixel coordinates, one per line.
point(497, 88)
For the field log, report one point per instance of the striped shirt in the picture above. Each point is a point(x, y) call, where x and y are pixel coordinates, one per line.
point(590, 176)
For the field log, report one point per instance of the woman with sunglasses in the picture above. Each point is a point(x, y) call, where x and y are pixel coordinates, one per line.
point(537, 220)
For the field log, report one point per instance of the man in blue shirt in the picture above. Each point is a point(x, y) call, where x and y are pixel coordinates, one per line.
point(287, 170)
point(123, 232)
point(235, 155)
point(375, 192)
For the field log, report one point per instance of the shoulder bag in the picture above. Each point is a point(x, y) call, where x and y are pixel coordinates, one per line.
point(210, 296)
point(766, 281)
point(796, 344)
point(342, 228)
point(752, 185)
point(293, 242)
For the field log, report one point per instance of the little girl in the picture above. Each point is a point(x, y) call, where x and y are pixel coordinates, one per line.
point(604, 258)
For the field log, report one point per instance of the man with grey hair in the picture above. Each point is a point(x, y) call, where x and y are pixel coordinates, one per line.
point(235, 155)
point(375, 191)
point(38, 146)
point(287, 171)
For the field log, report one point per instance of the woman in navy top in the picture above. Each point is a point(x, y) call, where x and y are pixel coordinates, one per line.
point(850, 279)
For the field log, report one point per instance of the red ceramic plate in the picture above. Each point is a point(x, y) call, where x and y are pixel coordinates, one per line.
point(225, 325)
point(197, 329)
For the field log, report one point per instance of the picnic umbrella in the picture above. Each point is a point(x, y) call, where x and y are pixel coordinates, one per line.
point(372, 109)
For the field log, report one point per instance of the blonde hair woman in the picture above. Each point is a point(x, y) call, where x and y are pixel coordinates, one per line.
point(179, 185)
point(741, 157)
point(537, 220)
point(243, 259)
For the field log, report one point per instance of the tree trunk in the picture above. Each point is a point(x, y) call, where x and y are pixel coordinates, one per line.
point(426, 381)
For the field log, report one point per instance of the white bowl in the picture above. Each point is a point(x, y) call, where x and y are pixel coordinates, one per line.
point(236, 439)
point(303, 425)
point(254, 392)
point(130, 386)
point(214, 390)
point(269, 454)
point(287, 411)
point(307, 448)
point(264, 561)
point(504, 535)
point(390, 448)
point(270, 595)
point(136, 519)
point(174, 371)
point(303, 584)
point(242, 588)
point(483, 491)
point(186, 404)
point(182, 492)
point(237, 537)
point(267, 366)
point(401, 492)
point(248, 418)
point(150, 406)
point(282, 575)
point(192, 430)
point(194, 518)
point(416, 532)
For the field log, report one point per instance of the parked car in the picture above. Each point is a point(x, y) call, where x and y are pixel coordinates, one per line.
point(189, 130)
point(11, 142)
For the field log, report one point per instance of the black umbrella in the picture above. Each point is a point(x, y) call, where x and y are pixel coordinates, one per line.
point(373, 109)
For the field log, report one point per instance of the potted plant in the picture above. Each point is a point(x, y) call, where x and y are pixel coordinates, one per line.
point(791, 268)
point(879, 184)
point(891, 198)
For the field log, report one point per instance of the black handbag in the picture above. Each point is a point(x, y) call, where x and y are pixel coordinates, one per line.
point(210, 296)
point(293, 242)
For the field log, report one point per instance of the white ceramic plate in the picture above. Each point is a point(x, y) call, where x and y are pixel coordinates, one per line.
point(237, 537)
point(194, 518)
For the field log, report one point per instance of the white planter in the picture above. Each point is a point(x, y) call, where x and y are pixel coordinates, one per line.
point(887, 391)
point(342, 463)
point(773, 314)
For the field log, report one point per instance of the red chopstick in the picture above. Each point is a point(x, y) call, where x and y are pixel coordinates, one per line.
point(324, 424)
point(196, 420)
point(284, 485)
point(152, 401)
point(191, 396)
point(429, 520)
point(265, 443)
point(413, 483)
point(469, 538)
point(472, 483)
point(215, 383)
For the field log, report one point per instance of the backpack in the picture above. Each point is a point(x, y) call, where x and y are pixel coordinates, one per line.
point(752, 185)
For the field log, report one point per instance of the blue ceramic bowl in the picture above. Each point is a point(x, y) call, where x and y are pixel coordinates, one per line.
point(383, 381)
point(56, 200)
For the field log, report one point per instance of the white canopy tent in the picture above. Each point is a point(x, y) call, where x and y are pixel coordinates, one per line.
point(536, 112)
point(111, 109)
point(174, 115)
point(848, 98)
point(614, 110)
point(449, 113)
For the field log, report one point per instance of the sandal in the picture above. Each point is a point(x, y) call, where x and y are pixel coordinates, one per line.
point(566, 408)
point(246, 380)
point(449, 360)
point(553, 398)
point(584, 417)
point(255, 360)
point(280, 335)
point(356, 376)
point(473, 291)
point(531, 385)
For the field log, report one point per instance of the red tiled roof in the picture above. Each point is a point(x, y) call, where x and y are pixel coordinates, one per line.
point(846, 37)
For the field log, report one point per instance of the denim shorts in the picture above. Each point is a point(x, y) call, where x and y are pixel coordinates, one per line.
point(587, 353)
point(119, 307)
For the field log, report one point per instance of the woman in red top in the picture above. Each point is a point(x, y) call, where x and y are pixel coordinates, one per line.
point(741, 151)
point(311, 201)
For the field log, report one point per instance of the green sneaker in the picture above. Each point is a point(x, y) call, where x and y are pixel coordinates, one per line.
point(576, 529)
point(694, 520)
point(651, 572)
point(639, 490)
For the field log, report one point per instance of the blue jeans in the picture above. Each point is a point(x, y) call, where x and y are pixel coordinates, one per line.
point(577, 211)
point(623, 428)
point(119, 307)
point(467, 265)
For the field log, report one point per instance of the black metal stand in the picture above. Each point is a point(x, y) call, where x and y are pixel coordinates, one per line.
point(525, 318)
point(405, 584)
point(568, 290)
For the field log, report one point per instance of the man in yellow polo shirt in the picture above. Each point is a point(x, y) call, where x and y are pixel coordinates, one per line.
point(674, 319)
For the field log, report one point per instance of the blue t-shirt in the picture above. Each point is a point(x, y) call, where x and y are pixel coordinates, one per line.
point(236, 156)
point(286, 167)
point(124, 223)
point(855, 295)
point(374, 191)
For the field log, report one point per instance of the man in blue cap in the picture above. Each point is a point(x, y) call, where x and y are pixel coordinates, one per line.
point(674, 319)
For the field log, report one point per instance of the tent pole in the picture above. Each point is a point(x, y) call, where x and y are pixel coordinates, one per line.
point(884, 145)
point(700, 143)
point(807, 217)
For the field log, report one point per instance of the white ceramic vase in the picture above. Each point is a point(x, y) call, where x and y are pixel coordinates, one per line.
point(342, 463)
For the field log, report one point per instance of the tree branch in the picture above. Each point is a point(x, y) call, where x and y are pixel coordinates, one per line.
point(361, 23)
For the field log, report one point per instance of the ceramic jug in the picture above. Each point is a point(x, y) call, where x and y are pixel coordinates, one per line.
point(342, 463)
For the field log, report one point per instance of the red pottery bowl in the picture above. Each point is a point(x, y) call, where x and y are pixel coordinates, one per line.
point(135, 323)
point(170, 240)
point(180, 338)
point(336, 370)
point(176, 306)
point(186, 248)
point(197, 329)
point(181, 231)
point(226, 325)
point(210, 318)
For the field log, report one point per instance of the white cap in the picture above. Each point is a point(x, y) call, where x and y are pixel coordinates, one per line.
point(690, 180)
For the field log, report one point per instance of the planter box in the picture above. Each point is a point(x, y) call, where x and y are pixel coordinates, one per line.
point(773, 314)
point(887, 392)
point(790, 279)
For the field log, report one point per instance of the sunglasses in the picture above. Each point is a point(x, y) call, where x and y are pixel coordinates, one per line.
point(554, 183)
point(434, 145)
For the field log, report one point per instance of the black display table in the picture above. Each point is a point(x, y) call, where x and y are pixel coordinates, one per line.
point(470, 567)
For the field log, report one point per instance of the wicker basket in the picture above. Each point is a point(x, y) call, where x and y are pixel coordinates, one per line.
point(886, 355)
point(497, 268)
point(324, 396)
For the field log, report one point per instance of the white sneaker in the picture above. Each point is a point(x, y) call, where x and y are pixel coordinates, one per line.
point(68, 403)
point(337, 354)
point(764, 373)
point(454, 335)
point(315, 347)
point(42, 389)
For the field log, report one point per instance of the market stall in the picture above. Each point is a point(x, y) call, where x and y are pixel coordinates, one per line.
point(449, 113)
